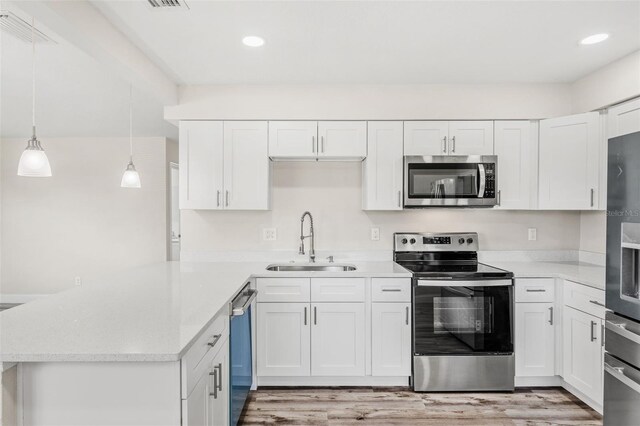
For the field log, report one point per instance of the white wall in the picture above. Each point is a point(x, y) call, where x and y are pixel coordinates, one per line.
point(80, 222)
point(372, 102)
point(333, 194)
point(609, 85)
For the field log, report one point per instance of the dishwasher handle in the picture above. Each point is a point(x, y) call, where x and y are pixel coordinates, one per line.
point(241, 303)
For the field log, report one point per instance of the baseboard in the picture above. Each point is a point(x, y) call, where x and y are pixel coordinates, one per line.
point(333, 381)
point(532, 382)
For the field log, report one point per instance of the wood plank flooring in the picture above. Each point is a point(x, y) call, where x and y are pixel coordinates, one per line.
point(400, 406)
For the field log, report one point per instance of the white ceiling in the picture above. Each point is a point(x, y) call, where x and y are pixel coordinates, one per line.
point(379, 41)
point(76, 96)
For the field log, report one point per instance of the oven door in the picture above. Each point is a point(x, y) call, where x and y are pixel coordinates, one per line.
point(462, 317)
point(446, 180)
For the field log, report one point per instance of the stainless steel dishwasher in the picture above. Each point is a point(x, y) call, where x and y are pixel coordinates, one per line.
point(241, 351)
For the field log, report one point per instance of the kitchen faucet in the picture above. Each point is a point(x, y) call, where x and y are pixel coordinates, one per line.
point(312, 251)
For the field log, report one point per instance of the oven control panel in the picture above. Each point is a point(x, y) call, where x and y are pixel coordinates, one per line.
point(454, 241)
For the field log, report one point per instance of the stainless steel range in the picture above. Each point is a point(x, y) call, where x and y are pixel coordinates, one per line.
point(462, 314)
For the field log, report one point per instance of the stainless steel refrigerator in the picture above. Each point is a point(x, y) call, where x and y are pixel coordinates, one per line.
point(622, 335)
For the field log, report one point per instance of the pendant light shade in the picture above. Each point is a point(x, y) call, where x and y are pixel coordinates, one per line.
point(33, 161)
point(130, 178)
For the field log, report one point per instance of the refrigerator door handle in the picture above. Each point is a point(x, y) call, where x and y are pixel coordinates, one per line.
point(617, 372)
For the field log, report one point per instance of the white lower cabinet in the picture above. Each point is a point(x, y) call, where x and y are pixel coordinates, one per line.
point(582, 363)
point(535, 339)
point(391, 339)
point(337, 339)
point(284, 339)
point(208, 402)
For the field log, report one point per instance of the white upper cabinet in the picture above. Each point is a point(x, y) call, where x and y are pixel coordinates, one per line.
point(201, 159)
point(224, 165)
point(516, 145)
point(623, 119)
point(569, 162)
point(246, 165)
point(293, 139)
point(342, 139)
point(448, 138)
point(382, 169)
point(426, 137)
point(471, 137)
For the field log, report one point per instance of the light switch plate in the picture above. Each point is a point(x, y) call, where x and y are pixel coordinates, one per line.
point(375, 234)
point(269, 234)
point(533, 234)
point(77, 281)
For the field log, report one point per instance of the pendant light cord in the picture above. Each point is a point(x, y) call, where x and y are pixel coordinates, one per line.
point(131, 123)
point(33, 76)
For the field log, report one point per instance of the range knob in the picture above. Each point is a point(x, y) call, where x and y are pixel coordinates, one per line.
point(469, 240)
point(404, 241)
point(461, 241)
point(413, 241)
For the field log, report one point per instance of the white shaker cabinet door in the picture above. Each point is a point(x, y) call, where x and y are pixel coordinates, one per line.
point(517, 152)
point(535, 339)
point(293, 139)
point(283, 339)
point(219, 393)
point(382, 169)
point(426, 137)
point(391, 339)
point(569, 162)
point(623, 119)
point(196, 409)
point(201, 164)
point(583, 363)
point(342, 139)
point(337, 339)
point(470, 137)
point(246, 166)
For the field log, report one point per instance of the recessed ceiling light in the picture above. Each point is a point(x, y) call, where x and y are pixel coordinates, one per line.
point(595, 38)
point(253, 41)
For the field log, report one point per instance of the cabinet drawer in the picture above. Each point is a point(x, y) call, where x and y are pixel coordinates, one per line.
point(283, 289)
point(391, 289)
point(337, 290)
point(535, 289)
point(197, 358)
point(584, 298)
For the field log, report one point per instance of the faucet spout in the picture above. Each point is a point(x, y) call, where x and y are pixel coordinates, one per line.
point(312, 251)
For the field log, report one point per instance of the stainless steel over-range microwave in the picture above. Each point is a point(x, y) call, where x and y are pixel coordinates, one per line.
point(450, 180)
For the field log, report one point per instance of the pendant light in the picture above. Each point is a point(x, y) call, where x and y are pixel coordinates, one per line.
point(130, 178)
point(34, 161)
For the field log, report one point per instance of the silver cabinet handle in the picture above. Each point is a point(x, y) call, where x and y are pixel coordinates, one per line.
point(315, 315)
point(407, 315)
point(226, 201)
point(214, 373)
point(322, 144)
point(536, 290)
point(602, 335)
point(499, 197)
point(595, 302)
point(592, 192)
point(392, 289)
point(399, 198)
point(444, 144)
point(593, 333)
point(313, 144)
point(218, 385)
point(551, 315)
point(305, 315)
point(218, 199)
point(216, 337)
point(453, 144)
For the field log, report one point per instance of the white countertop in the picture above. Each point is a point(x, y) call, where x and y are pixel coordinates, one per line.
point(580, 272)
point(150, 313)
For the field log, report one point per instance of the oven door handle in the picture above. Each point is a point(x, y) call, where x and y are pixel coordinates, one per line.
point(482, 173)
point(465, 283)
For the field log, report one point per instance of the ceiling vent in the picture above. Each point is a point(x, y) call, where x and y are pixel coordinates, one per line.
point(18, 27)
point(168, 4)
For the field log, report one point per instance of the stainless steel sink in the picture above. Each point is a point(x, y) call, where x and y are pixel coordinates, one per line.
point(284, 267)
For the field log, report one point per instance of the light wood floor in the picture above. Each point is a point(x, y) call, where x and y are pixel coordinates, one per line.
point(399, 406)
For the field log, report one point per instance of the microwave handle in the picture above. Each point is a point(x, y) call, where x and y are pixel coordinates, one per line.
point(482, 181)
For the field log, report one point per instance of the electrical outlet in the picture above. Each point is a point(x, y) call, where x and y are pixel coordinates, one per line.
point(269, 234)
point(533, 234)
point(78, 281)
point(375, 234)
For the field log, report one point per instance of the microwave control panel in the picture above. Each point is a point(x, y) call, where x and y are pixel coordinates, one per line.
point(490, 181)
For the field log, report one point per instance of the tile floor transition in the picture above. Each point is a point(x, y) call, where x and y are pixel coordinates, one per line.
point(399, 406)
